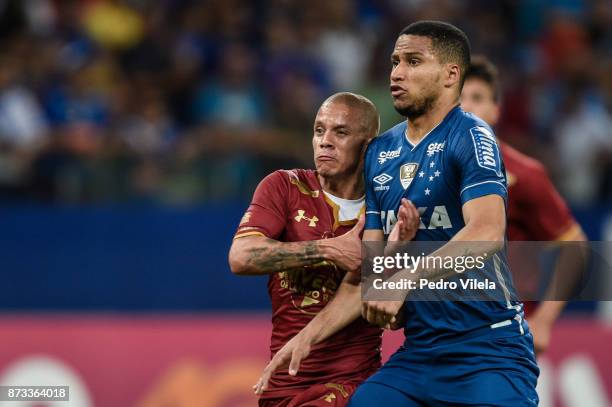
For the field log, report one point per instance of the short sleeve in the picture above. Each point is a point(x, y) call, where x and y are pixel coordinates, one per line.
point(372, 210)
point(479, 164)
point(267, 213)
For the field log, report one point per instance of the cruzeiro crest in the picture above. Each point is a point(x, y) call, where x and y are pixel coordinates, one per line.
point(407, 173)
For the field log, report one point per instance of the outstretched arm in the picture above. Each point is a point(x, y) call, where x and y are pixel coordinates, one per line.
point(257, 255)
point(343, 309)
point(570, 265)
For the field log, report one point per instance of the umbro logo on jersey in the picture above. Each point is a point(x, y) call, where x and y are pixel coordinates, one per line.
point(435, 148)
point(388, 155)
point(381, 180)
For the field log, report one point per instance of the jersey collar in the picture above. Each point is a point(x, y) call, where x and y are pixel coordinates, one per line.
point(413, 146)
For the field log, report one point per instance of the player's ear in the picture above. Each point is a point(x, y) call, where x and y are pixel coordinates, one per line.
point(365, 146)
point(495, 114)
point(452, 76)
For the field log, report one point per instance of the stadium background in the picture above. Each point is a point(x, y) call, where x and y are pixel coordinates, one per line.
point(132, 134)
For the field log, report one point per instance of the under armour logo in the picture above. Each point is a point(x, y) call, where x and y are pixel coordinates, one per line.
point(329, 397)
point(312, 222)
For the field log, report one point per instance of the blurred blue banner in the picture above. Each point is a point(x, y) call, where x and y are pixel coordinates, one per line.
point(129, 258)
point(135, 258)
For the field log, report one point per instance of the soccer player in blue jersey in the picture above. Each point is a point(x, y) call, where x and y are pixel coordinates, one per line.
point(447, 163)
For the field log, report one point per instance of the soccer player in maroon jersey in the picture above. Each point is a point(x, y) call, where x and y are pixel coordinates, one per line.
point(536, 211)
point(303, 230)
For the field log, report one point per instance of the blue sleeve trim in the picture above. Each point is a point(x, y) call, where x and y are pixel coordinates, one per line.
point(373, 220)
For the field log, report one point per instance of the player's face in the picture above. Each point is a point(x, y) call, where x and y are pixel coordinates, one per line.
point(477, 97)
point(339, 140)
point(416, 76)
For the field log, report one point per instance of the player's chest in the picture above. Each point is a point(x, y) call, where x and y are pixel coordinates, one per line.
point(312, 219)
point(421, 175)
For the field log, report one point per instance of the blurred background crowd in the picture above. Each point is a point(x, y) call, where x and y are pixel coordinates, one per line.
point(182, 102)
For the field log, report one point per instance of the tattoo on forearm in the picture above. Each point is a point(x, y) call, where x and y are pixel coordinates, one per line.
point(280, 257)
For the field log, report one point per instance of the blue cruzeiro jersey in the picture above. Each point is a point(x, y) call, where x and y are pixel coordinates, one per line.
point(455, 162)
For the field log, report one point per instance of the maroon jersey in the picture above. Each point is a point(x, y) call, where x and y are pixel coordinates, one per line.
point(536, 211)
point(290, 206)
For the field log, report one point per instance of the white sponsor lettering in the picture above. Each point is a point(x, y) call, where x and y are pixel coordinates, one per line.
point(439, 219)
point(435, 148)
point(487, 151)
point(383, 156)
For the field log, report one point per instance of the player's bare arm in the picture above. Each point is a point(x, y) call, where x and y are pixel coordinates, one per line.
point(341, 311)
point(344, 308)
point(485, 223)
point(259, 255)
point(547, 312)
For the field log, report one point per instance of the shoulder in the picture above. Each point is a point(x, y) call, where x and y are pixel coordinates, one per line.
point(519, 162)
point(284, 178)
point(529, 174)
point(470, 133)
point(466, 133)
point(302, 180)
point(389, 138)
point(283, 183)
point(466, 124)
point(276, 178)
point(528, 171)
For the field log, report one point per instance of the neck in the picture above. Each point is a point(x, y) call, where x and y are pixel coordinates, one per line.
point(351, 187)
point(420, 126)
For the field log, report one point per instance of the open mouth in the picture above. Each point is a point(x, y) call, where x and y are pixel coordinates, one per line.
point(396, 90)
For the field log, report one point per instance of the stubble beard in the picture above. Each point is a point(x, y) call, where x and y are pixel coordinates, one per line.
point(339, 175)
point(418, 108)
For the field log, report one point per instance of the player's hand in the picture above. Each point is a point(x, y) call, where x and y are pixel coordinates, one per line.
point(398, 322)
point(541, 331)
point(382, 313)
point(407, 225)
point(345, 251)
point(292, 354)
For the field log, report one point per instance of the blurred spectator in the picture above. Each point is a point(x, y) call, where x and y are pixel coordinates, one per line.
point(342, 47)
point(113, 24)
point(584, 138)
point(149, 129)
point(22, 121)
point(232, 97)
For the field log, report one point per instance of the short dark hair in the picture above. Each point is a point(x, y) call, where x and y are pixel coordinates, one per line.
point(482, 68)
point(450, 44)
